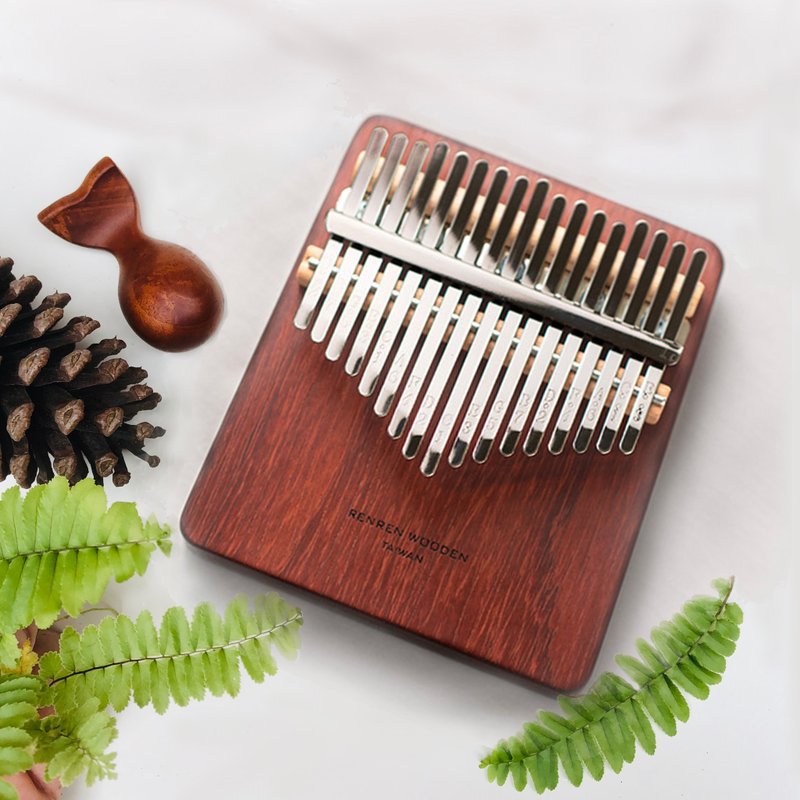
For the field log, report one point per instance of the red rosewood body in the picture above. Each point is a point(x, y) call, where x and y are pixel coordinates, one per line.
point(517, 561)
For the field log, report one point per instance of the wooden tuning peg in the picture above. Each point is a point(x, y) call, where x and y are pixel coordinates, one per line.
point(168, 295)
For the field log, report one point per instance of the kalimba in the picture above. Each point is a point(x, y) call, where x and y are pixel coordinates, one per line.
point(528, 344)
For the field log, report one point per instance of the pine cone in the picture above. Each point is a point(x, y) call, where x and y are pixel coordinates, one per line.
point(64, 410)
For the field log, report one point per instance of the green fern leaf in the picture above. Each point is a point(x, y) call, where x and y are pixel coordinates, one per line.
point(75, 742)
point(180, 661)
point(60, 547)
point(603, 728)
point(9, 652)
point(19, 699)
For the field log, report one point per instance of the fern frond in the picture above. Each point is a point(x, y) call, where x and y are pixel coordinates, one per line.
point(19, 699)
point(603, 728)
point(75, 742)
point(121, 658)
point(60, 547)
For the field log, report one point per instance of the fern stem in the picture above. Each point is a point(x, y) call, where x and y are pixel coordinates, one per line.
point(580, 726)
point(65, 617)
point(77, 548)
point(285, 623)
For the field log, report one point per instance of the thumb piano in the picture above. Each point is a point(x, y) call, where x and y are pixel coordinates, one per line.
point(456, 414)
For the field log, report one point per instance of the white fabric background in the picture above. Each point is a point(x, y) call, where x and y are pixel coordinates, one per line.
point(230, 119)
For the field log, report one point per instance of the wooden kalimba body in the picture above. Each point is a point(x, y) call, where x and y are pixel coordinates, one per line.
point(528, 344)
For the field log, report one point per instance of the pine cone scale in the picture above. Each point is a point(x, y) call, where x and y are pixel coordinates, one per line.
point(65, 409)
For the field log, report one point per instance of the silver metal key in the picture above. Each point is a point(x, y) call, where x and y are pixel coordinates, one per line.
point(562, 256)
point(551, 394)
point(318, 282)
point(408, 344)
point(411, 224)
point(455, 233)
point(514, 268)
point(377, 198)
point(485, 386)
point(363, 176)
point(473, 246)
point(444, 368)
point(529, 391)
point(597, 401)
point(352, 307)
point(389, 332)
point(619, 405)
point(637, 418)
point(372, 318)
point(422, 365)
point(500, 405)
point(330, 305)
point(458, 395)
point(574, 398)
point(390, 221)
point(433, 230)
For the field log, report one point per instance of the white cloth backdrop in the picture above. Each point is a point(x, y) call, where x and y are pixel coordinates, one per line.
point(230, 119)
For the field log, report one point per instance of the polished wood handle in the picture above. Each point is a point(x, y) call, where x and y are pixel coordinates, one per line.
point(168, 295)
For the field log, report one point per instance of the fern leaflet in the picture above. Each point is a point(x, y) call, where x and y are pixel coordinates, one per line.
point(73, 743)
point(60, 547)
point(19, 698)
point(121, 658)
point(603, 727)
point(9, 652)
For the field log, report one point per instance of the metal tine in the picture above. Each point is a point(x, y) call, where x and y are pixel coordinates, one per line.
point(441, 374)
point(352, 307)
point(413, 220)
point(480, 397)
point(539, 254)
point(640, 231)
point(615, 415)
point(530, 390)
point(644, 400)
point(685, 295)
point(333, 248)
point(567, 244)
point(318, 282)
point(551, 394)
point(390, 220)
point(330, 305)
point(520, 246)
point(422, 364)
point(377, 140)
point(433, 230)
point(380, 190)
point(498, 244)
point(597, 401)
point(665, 287)
point(389, 332)
point(585, 256)
point(574, 398)
point(458, 394)
point(646, 278)
point(408, 344)
point(604, 267)
point(474, 245)
point(455, 233)
point(499, 408)
point(372, 318)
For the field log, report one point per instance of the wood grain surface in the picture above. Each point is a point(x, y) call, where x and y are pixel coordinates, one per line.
point(524, 556)
point(167, 294)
